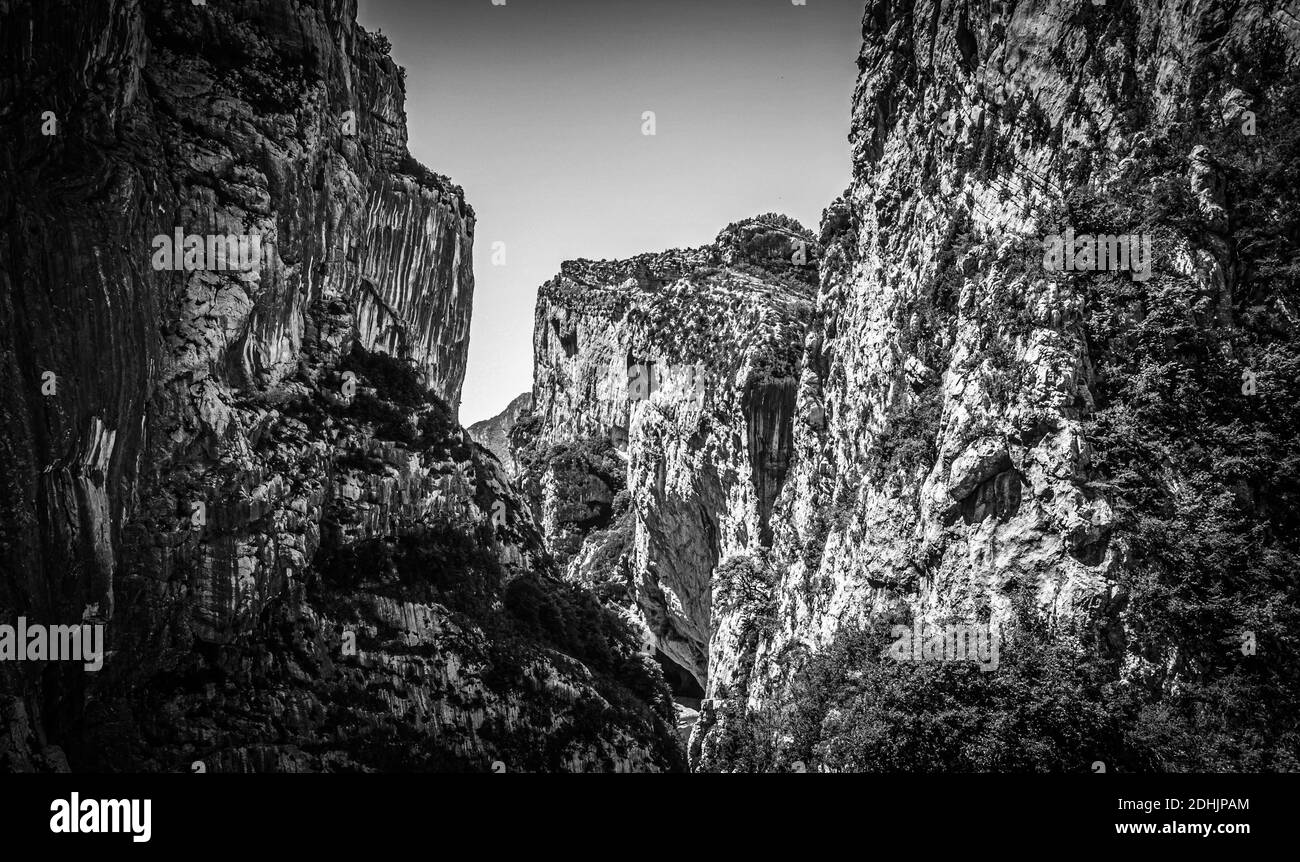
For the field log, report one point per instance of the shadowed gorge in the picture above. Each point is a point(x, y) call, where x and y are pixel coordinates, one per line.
point(993, 469)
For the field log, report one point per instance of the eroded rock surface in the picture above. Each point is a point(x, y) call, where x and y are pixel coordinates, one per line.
point(685, 363)
point(494, 434)
point(944, 463)
point(255, 479)
point(947, 427)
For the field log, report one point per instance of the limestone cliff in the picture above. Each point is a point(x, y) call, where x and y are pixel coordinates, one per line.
point(250, 476)
point(494, 434)
point(1036, 376)
point(961, 427)
point(985, 437)
point(684, 363)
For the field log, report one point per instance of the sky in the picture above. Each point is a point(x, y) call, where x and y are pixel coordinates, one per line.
point(535, 108)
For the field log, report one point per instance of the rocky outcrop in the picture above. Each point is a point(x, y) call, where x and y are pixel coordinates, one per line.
point(1036, 376)
point(494, 434)
point(951, 410)
point(685, 362)
point(1019, 401)
point(252, 476)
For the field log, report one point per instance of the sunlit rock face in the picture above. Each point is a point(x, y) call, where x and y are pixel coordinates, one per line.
point(684, 366)
point(940, 463)
point(253, 476)
point(494, 434)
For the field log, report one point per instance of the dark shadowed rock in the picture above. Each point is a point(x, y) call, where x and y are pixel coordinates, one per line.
point(252, 477)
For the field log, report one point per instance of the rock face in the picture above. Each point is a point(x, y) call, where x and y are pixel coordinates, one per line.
point(685, 363)
point(494, 434)
point(961, 427)
point(741, 463)
point(956, 452)
point(251, 477)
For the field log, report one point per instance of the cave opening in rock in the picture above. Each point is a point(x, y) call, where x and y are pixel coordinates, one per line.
point(684, 687)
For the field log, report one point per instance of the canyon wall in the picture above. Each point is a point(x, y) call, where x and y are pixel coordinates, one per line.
point(958, 426)
point(494, 434)
point(984, 439)
point(681, 368)
point(741, 465)
point(253, 477)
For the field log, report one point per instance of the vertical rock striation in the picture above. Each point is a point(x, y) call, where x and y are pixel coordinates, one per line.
point(251, 477)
